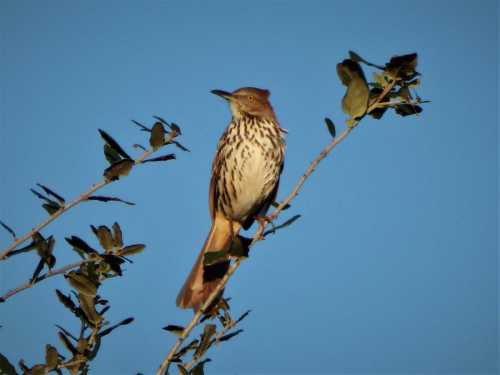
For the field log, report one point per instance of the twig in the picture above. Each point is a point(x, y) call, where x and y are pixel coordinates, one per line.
point(258, 236)
point(50, 273)
point(84, 196)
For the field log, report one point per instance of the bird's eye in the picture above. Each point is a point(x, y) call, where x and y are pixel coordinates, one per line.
point(250, 98)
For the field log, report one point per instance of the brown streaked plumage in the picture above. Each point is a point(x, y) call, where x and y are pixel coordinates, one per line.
point(245, 178)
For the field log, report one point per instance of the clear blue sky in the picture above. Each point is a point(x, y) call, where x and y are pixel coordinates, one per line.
point(393, 266)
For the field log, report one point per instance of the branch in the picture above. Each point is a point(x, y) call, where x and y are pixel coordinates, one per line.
point(83, 197)
point(256, 238)
point(46, 275)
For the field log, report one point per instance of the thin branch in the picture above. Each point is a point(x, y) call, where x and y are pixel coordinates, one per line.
point(83, 197)
point(258, 236)
point(50, 273)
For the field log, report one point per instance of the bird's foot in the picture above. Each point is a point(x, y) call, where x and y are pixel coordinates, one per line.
point(264, 221)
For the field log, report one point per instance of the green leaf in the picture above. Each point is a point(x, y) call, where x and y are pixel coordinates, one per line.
point(80, 246)
point(176, 330)
point(105, 238)
point(199, 368)
point(277, 204)
point(230, 335)
point(67, 343)
point(8, 229)
point(355, 101)
point(182, 370)
point(240, 246)
point(51, 208)
point(87, 304)
point(331, 127)
point(206, 339)
point(66, 300)
point(119, 169)
point(143, 128)
point(117, 235)
point(157, 138)
point(243, 316)
point(160, 158)
point(51, 357)
point(81, 283)
point(111, 155)
point(6, 368)
point(101, 198)
point(408, 109)
point(52, 193)
point(213, 257)
point(113, 144)
point(132, 250)
point(402, 67)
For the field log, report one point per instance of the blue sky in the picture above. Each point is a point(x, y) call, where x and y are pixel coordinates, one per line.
point(393, 266)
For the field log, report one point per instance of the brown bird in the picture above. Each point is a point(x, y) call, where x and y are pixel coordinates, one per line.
point(245, 178)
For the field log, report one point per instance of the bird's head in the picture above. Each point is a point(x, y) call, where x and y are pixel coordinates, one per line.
point(248, 101)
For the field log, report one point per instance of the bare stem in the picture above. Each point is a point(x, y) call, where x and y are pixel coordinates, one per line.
point(83, 197)
point(256, 238)
point(50, 273)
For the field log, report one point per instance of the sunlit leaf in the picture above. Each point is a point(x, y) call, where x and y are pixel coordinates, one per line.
point(157, 138)
point(105, 238)
point(117, 235)
point(206, 338)
point(355, 101)
point(51, 357)
point(81, 283)
point(87, 304)
point(118, 169)
point(132, 249)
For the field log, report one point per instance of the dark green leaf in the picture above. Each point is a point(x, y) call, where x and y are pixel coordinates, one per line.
point(107, 331)
point(157, 138)
point(199, 368)
point(143, 128)
point(160, 158)
point(243, 316)
point(283, 225)
point(240, 246)
point(408, 109)
point(162, 120)
point(126, 321)
point(402, 67)
point(6, 368)
point(191, 346)
point(66, 300)
point(181, 146)
point(113, 144)
point(176, 330)
point(67, 344)
point(117, 235)
point(101, 198)
point(118, 169)
point(277, 204)
point(182, 370)
point(206, 339)
point(8, 229)
point(38, 269)
point(230, 335)
point(66, 332)
point(137, 145)
point(331, 127)
point(213, 257)
point(114, 263)
point(175, 128)
point(111, 155)
point(132, 249)
point(80, 246)
point(51, 208)
point(52, 193)
point(355, 57)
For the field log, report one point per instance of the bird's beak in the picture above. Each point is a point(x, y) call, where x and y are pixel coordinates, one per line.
point(223, 94)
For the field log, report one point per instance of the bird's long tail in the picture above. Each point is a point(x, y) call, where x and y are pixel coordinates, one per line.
point(204, 279)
